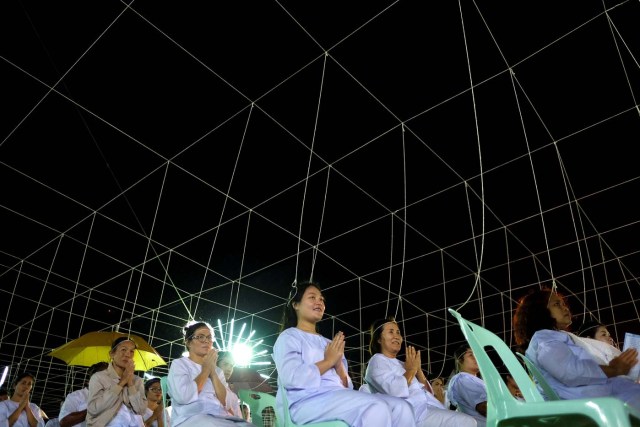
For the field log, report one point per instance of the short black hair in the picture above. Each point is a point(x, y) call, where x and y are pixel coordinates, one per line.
point(150, 382)
point(3, 391)
point(589, 328)
point(119, 340)
point(97, 367)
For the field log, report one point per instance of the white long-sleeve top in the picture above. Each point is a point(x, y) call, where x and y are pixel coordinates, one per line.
point(185, 399)
point(386, 375)
point(8, 407)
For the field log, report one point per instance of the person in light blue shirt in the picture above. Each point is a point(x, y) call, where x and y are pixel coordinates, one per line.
point(466, 390)
point(388, 375)
point(541, 326)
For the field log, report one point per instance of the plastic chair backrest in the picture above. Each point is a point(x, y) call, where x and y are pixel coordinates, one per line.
point(549, 392)
point(257, 402)
point(506, 411)
point(286, 422)
point(165, 390)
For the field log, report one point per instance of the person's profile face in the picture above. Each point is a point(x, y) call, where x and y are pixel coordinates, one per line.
point(602, 334)
point(559, 311)
point(469, 363)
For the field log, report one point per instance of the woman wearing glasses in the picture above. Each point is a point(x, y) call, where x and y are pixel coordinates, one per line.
point(155, 416)
point(197, 386)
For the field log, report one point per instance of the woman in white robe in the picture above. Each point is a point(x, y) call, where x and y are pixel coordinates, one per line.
point(18, 410)
point(313, 371)
point(466, 390)
point(197, 386)
point(386, 374)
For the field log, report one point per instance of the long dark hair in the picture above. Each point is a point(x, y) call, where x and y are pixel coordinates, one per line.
point(289, 314)
point(532, 315)
point(376, 331)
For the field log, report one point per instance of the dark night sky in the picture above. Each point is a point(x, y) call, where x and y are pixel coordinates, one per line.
point(161, 162)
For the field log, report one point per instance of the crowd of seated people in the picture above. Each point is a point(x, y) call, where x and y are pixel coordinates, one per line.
point(314, 375)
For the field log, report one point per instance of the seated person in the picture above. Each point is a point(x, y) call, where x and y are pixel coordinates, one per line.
point(226, 363)
point(313, 372)
point(512, 386)
point(74, 408)
point(388, 375)
point(18, 410)
point(466, 390)
point(596, 339)
point(155, 415)
point(197, 385)
point(116, 394)
point(437, 384)
point(541, 322)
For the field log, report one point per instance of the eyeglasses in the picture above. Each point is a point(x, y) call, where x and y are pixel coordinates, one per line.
point(202, 338)
point(156, 389)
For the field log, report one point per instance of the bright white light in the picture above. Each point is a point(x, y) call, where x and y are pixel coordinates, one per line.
point(4, 375)
point(221, 336)
point(244, 325)
point(243, 350)
point(230, 344)
point(242, 354)
point(266, 377)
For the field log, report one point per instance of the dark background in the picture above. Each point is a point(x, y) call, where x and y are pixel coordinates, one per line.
point(167, 161)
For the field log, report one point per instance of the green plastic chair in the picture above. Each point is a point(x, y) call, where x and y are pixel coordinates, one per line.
point(506, 411)
point(165, 391)
point(257, 402)
point(549, 392)
point(286, 422)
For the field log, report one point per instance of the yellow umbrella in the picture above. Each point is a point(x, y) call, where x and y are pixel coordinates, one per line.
point(94, 347)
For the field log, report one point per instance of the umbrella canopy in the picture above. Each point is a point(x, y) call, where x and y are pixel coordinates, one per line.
point(94, 347)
